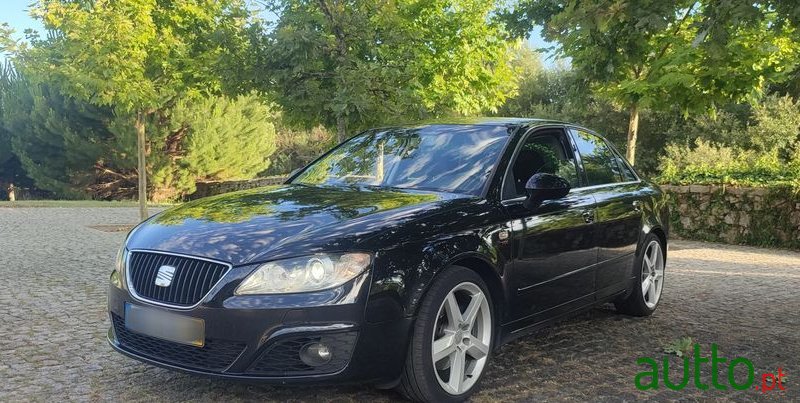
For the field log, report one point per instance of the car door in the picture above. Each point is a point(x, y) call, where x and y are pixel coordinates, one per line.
point(553, 246)
point(618, 197)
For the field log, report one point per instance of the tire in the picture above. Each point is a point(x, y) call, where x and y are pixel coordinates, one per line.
point(649, 267)
point(426, 381)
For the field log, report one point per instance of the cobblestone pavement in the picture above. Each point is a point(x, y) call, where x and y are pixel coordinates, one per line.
point(54, 272)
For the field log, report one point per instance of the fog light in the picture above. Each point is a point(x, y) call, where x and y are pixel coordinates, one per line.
point(315, 354)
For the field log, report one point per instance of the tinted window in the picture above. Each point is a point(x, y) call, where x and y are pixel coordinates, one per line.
point(599, 161)
point(541, 153)
point(627, 173)
point(449, 158)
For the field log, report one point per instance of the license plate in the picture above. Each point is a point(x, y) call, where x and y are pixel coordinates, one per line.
point(165, 325)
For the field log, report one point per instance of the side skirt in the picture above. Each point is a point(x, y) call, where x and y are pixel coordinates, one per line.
point(512, 331)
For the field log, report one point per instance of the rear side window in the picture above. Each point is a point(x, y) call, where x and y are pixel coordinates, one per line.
point(599, 162)
point(627, 172)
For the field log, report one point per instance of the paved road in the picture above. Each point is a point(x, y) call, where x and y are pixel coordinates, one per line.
point(54, 271)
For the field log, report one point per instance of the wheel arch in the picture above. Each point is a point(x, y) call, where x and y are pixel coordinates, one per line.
point(662, 236)
point(489, 272)
point(490, 276)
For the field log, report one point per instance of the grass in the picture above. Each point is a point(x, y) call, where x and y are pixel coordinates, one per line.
point(75, 203)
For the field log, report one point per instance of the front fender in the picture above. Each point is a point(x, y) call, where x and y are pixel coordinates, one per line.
point(402, 275)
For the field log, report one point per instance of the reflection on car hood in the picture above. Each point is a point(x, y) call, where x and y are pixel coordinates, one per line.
point(278, 221)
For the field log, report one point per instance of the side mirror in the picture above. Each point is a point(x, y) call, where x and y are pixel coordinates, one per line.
point(544, 186)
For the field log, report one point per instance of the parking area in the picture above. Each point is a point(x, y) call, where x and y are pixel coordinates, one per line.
point(54, 271)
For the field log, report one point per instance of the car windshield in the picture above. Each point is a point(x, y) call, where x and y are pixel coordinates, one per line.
point(446, 158)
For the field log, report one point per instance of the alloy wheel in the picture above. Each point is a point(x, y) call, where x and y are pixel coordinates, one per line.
point(462, 337)
point(652, 274)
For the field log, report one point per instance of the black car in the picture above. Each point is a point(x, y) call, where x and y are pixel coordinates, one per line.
point(402, 258)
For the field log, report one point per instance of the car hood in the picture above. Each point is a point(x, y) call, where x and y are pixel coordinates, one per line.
point(281, 221)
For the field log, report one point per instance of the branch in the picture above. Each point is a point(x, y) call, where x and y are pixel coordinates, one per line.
point(667, 45)
point(341, 45)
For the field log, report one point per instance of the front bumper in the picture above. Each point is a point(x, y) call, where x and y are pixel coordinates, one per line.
point(263, 342)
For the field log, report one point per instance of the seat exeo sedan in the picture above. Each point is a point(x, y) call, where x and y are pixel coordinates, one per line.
point(402, 257)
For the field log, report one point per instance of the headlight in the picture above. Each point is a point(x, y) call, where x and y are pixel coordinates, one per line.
point(303, 274)
point(119, 266)
point(120, 263)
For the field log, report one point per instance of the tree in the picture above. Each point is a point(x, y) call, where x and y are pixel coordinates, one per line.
point(72, 148)
point(56, 139)
point(6, 157)
point(211, 138)
point(138, 57)
point(361, 63)
point(660, 54)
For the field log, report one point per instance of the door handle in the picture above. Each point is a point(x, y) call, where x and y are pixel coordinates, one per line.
point(637, 205)
point(588, 216)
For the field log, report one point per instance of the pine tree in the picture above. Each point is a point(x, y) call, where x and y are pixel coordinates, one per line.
point(211, 138)
point(56, 139)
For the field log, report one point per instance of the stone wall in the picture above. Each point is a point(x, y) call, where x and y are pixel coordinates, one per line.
point(214, 188)
point(736, 215)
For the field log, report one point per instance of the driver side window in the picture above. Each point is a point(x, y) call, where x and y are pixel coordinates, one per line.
point(543, 152)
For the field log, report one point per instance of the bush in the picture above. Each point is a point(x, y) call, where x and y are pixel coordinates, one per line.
point(213, 138)
point(775, 125)
point(705, 163)
point(297, 147)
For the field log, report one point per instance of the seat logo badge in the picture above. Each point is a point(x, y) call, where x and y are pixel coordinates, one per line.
point(164, 276)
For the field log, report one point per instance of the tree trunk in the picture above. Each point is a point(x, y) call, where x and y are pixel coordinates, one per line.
point(633, 131)
point(341, 128)
point(141, 144)
point(335, 22)
point(11, 196)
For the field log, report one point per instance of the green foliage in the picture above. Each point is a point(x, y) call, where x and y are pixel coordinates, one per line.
point(759, 147)
point(296, 147)
point(368, 63)
point(154, 52)
point(11, 171)
point(706, 163)
point(662, 55)
point(773, 123)
point(167, 66)
point(541, 93)
point(5, 136)
point(76, 150)
point(57, 140)
point(215, 138)
point(680, 347)
point(775, 126)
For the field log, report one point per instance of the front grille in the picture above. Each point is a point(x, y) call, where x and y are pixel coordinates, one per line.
point(282, 358)
point(191, 281)
point(215, 355)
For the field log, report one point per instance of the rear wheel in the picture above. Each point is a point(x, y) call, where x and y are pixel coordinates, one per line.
point(649, 282)
point(452, 339)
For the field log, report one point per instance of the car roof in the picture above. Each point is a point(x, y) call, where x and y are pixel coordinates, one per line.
point(483, 121)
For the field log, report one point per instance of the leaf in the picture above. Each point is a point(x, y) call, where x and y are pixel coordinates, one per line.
point(679, 347)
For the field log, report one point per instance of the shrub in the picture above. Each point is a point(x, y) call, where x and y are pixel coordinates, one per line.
point(775, 125)
point(705, 163)
point(297, 147)
point(213, 138)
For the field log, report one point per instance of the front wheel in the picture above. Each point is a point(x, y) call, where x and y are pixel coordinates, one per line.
point(452, 339)
point(649, 281)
